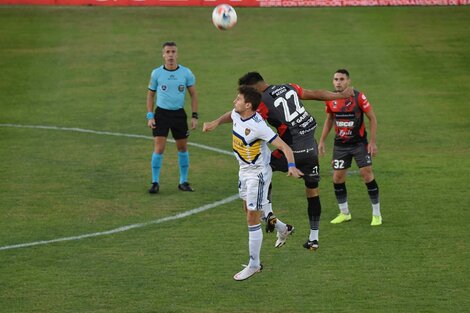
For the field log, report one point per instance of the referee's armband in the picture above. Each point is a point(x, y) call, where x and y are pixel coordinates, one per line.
point(289, 165)
point(195, 115)
point(150, 115)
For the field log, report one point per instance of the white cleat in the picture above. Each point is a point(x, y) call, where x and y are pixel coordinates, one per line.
point(282, 237)
point(247, 272)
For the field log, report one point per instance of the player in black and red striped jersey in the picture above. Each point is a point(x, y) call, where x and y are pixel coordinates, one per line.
point(282, 107)
point(347, 117)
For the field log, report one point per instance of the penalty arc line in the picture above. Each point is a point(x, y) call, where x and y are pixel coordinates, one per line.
point(127, 227)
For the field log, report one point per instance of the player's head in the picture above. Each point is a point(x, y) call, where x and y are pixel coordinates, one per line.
point(170, 53)
point(248, 99)
point(341, 79)
point(253, 79)
point(250, 79)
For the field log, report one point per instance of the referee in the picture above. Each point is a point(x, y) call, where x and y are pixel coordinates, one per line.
point(166, 112)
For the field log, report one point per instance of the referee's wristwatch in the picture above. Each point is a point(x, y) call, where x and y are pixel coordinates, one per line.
point(195, 115)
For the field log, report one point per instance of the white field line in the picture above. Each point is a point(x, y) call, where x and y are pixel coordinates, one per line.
point(81, 130)
point(127, 227)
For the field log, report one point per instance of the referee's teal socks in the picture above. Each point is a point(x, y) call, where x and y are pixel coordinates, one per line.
point(156, 166)
point(183, 160)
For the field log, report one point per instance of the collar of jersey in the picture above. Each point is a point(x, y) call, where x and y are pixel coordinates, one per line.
point(171, 70)
point(244, 120)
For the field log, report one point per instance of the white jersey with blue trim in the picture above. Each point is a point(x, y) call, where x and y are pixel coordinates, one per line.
point(170, 86)
point(249, 141)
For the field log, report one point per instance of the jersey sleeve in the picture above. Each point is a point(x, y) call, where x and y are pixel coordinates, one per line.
point(265, 133)
point(298, 89)
point(232, 114)
point(153, 81)
point(190, 78)
point(263, 111)
point(327, 107)
point(364, 103)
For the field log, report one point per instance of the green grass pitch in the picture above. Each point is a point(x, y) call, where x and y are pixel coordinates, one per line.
point(88, 68)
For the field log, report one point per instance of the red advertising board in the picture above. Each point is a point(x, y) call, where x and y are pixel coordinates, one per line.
point(241, 3)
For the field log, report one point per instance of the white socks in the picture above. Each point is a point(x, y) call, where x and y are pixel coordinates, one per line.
point(343, 207)
point(376, 209)
point(255, 239)
point(313, 235)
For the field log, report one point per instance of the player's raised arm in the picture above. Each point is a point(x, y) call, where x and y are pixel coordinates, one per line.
point(325, 95)
point(224, 118)
point(292, 169)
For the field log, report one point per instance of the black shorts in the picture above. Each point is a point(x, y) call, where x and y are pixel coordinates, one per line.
point(176, 120)
point(343, 154)
point(306, 160)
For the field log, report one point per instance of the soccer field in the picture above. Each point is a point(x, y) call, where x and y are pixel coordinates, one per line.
point(80, 233)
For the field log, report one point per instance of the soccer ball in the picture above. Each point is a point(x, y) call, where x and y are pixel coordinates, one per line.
point(224, 16)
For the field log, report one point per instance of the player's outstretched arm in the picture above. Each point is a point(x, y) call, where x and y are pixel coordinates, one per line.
point(325, 95)
point(292, 170)
point(210, 126)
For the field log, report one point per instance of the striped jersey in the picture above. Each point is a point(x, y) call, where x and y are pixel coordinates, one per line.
point(249, 140)
point(349, 118)
point(283, 109)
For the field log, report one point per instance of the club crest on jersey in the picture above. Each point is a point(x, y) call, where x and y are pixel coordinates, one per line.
point(164, 87)
point(334, 104)
point(181, 88)
point(247, 131)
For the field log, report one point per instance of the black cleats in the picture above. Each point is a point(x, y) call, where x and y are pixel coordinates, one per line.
point(311, 245)
point(185, 187)
point(155, 188)
point(270, 222)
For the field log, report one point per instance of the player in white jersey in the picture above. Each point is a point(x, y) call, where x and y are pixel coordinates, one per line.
point(250, 137)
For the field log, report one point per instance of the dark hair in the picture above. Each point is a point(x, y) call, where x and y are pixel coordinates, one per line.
point(250, 79)
point(169, 44)
point(343, 71)
point(251, 95)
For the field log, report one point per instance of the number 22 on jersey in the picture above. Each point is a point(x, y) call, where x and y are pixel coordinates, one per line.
point(290, 116)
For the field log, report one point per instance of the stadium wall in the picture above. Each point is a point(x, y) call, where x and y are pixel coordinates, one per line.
point(241, 3)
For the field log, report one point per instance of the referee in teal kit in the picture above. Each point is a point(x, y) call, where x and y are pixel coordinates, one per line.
point(170, 82)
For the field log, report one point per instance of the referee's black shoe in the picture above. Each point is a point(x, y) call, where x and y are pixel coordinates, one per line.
point(155, 188)
point(185, 187)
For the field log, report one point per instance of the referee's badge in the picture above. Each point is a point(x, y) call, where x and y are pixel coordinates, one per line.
point(181, 88)
point(247, 131)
